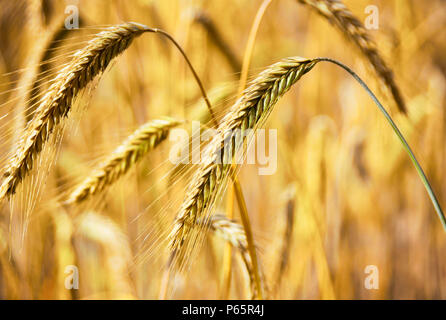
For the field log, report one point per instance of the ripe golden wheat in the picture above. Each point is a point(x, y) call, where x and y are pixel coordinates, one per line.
point(251, 109)
point(87, 63)
point(145, 138)
point(114, 248)
point(234, 233)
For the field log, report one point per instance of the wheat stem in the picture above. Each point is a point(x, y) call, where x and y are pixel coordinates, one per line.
point(403, 141)
point(249, 238)
point(250, 46)
point(236, 187)
point(235, 235)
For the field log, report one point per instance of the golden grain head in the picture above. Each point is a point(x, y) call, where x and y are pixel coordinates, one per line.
point(93, 207)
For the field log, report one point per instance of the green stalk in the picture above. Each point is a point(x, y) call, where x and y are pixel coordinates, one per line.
point(400, 136)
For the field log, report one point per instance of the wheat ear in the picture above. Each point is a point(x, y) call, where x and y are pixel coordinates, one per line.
point(86, 64)
point(251, 109)
point(234, 233)
point(145, 138)
point(230, 231)
point(339, 15)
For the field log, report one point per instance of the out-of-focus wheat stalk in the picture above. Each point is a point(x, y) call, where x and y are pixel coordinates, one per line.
point(36, 15)
point(10, 276)
point(113, 258)
point(217, 38)
point(284, 254)
point(236, 188)
point(30, 82)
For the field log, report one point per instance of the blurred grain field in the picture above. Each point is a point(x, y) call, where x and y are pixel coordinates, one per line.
point(345, 195)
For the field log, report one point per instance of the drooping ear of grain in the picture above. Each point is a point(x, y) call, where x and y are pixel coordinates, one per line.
point(352, 28)
point(233, 233)
point(144, 139)
point(250, 110)
point(86, 64)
